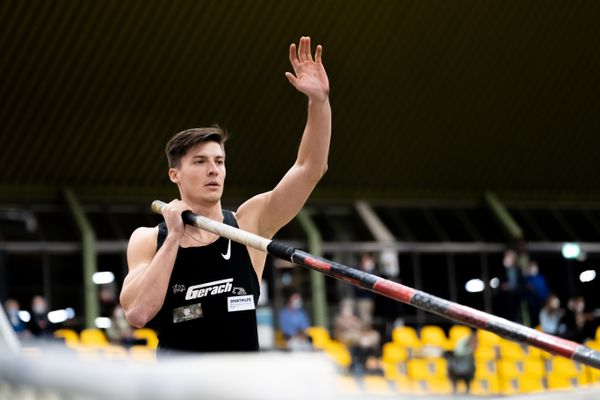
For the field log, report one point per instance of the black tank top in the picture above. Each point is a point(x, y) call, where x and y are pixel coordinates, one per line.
point(210, 305)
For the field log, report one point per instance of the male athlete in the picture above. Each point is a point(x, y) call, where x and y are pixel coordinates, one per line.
point(199, 289)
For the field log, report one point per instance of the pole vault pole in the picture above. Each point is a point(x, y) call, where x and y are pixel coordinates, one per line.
point(444, 308)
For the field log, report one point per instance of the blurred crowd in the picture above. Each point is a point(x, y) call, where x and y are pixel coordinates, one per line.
point(528, 299)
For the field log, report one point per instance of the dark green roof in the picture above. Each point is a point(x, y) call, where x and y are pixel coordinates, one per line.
point(431, 99)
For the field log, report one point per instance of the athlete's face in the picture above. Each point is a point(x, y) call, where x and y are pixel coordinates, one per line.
point(201, 175)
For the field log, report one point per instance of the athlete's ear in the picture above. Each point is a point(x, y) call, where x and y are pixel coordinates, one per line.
point(174, 175)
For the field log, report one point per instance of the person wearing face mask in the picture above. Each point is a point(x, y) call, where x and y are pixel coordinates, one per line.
point(293, 322)
point(39, 325)
point(551, 315)
point(12, 312)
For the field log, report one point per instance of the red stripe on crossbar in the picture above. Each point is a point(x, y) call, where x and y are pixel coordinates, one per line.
point(317, 264)
point(394, 290)
point(553, 344)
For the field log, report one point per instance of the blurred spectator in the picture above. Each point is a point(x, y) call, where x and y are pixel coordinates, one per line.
point(578, 324)
point(511, 287)
point(12, 309)
point(536, 292)
point(347, 326)
point(38, 325)
point(365, 356)
point(461, 362)
point(551, 315)
point(362, 340)
point(390, 267)
point(293, 322)
point(120, 332)
point(365, 302)
point(107, 295)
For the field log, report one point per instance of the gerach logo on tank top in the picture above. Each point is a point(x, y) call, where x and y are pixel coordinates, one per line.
point(209, 289)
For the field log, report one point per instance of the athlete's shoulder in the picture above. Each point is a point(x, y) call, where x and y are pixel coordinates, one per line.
point(143, 236)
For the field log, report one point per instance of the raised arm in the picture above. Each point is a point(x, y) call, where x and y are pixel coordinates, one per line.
point(268, 212)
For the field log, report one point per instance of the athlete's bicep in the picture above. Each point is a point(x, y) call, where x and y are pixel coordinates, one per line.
point(141, 249)
point(270, 211)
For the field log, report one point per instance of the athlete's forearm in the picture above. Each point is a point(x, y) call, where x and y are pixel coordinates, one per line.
point(314, 147)
point(144, 291)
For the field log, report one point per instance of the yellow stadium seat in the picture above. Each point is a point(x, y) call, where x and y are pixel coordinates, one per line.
point(485, 385)
point(561, 382)
point(394, 353)
point(406, 336)
point(418, 368)
point(438, 385)
point(485, 367)
point(432, 335)
point(457, 332)
point(93, 337)
point(485, 352)
point(597, 336)
point(534, 367)
point(319, 336)
point(485, 338)
point(438, 366)
point(70, 337)
point(429, 375)
point(529, 384)
point(593, 375)
point(535, 353)
point(149, 335)
point(509, 368)
point(511, 350)
point(560, 367)
point(338, 352)
point(403, 384)
point(593, 344)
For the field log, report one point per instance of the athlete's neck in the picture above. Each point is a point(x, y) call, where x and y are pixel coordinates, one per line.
point(212, 210)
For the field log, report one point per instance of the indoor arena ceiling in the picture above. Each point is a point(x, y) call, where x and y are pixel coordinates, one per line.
point(431, 99)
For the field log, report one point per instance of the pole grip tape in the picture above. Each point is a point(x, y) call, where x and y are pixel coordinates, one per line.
point(188, 217)
point(281, 250)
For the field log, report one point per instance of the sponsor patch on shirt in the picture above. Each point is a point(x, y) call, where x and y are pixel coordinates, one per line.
point(187, 313)
point(240, 303)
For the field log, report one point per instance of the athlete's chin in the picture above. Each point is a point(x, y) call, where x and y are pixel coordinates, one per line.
point(212, 198)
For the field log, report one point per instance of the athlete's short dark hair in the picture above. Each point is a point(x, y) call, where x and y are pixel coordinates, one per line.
point(183, 141)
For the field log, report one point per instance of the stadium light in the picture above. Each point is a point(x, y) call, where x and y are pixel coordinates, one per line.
point(102, 278)
point(474, 286)
point(24, 316)
point(58, 316)
point(103, 322)
point(571, 251)
point(587, 276)
point(494, 282)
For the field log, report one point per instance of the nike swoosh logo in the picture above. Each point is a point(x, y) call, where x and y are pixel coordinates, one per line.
point(227, 255)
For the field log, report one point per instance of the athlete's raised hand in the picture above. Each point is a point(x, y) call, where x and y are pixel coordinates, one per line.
point(309, 75)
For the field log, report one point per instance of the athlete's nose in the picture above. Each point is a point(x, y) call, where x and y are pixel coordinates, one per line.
point(213, 170)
